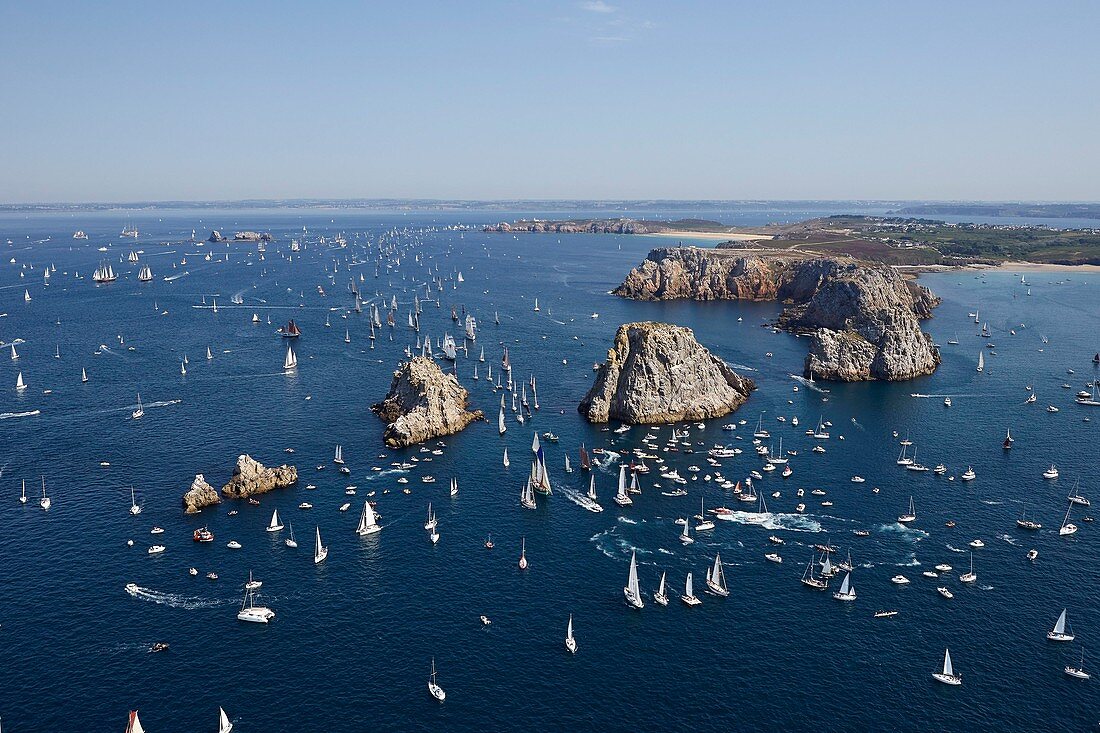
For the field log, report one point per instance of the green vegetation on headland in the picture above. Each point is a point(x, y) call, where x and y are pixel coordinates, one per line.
point(886, 239)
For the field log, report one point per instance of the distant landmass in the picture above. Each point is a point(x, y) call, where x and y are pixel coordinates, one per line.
point(1020, 210)
point(892, 240)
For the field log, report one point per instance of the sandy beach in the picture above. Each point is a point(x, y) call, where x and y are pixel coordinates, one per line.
point(1042, 267)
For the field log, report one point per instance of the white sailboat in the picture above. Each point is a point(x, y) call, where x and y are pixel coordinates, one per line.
point(224, 726)
point(1067, 527)
point(910, 516)
point(23, 496)
point(368, 521)
point(716, 578)
point(847, 591)
point(971, 576)
point(501, 427)
point(523, 553)
point(1059, 633)
point(274, 525)
point(134, 726)
point(140, 411)
point(338, 458)
point(290, 541)
point(660, 596)
point(432, 522)
point(1078, 671)
point(134, 508)
point(689, 593)
point(947, 676)
point(570, 642)
point(433, 686)
point(20, 385)
point(981, 361)
point(253, 613)
point(631, 591)
point(704, 523)
point(320, 552)
point(291, 361)
point(685, 533)
point(621, 497)
point(83, 375)
point(506, 457)
point(45, 501)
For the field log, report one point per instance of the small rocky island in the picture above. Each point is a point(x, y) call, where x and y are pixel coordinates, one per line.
point(250, 477)
point(423, 403)
point(863, 319)
point(659, 373)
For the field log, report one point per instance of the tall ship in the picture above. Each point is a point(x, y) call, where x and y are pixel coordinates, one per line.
point(129, 231)
point(104, 273)
point(145, 274)
point(290, 330)
point(79, 234)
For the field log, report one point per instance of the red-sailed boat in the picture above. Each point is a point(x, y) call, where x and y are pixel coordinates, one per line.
point(290, 330)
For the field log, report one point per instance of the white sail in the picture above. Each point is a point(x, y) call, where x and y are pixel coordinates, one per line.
point(274, 525)
point(506, 457)
point(535, 444)
point(291, 360)
point(948, 670)
point(19, 383)
point(368, 521)
point(134, 725)
point(319, 551)
point(688, 590)
point(632, 591)
point(224, 726)
point(845, 584)
point(1060, 624)
point(981, 361)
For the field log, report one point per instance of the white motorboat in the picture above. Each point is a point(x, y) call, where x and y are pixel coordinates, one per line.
point(899, 580)
point(156, 549)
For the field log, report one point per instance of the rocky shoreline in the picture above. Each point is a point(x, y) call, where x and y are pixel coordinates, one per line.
point(863, 319)
point(250, 477)
point(423, 403)
point(658, 373)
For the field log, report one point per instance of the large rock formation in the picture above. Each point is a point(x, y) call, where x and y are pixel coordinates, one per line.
point(863, 318)
point(252, 477)
point(659, 373)
point(423, 403)
point(199, 496)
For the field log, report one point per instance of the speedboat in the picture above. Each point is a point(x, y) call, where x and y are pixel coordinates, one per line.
point(156, 549)
point(233, 545)
point(899, 580)
point(943, 591)
point(773, 557)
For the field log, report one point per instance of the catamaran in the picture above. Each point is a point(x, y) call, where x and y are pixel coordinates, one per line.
point(320, 552)
point(947, 676)
point(253, 613)
point(631, 591)
point(716, 578)
point(368, 521)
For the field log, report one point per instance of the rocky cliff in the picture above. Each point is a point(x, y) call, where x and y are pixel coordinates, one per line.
point(252, 477)
point(199, 496)
point(423, 403)
point(863, 319)
point(659, 373)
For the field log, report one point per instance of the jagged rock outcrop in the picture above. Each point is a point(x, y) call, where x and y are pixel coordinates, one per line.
point(215, 236)
point(659, 373)
point(863, 319)
point(423, 403)
point(251, 477)
point(199, 496)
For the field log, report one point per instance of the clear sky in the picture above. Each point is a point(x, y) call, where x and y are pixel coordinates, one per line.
point(151, 100)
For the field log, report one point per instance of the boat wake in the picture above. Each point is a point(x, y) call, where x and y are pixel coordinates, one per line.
point(173, 599)
point(1010, 540)
point(10, 415)
point(856, 423)
point(615, 547)
point(953, 549)
point(808, 384)
point(626, 520)
point(992, 503)
point(771, 520)
point(985, 587)
point(385, 472)
point(910, 562)
point(580, 500)
point(909, 533)
point(170, 278)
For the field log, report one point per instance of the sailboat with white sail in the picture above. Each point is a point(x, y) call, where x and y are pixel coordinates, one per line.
point(275, 524)
point(631, 591)
point(134, 725)
point(947, 675)
point(139, 411)
point(290, 541)
point(570, 642)
point(847, 591)
point(224, 725)
point(660, 597)
point(1059, 632)
point(368, 521)
point(621, 496)
point(253, 613)
point(433, 686)
point(291, 361)
point(689, 597)
point(135, 509)
point(716, 578)
point(320, 552)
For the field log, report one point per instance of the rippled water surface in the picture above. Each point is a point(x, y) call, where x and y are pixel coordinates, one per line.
point(353, 638)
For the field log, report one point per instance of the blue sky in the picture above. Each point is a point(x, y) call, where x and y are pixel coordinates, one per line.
point(119, 101)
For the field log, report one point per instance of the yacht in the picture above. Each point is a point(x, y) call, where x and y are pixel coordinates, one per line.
point(135, 509)
point(1051, 473)
point(716, 578)
point(847, 591)
point(910, 516)
point(433, 686)
point(1067, 527)
point(899, 580)
point(689, 595)
point(968, 474)
point(810, 581)
point(943, 591)
point(570, 642)
point(290, 541)
point(45, 501)
point(971, 576)
point(140, 411)
point(1078, 671)
point(660, 596)
point(275, 524)
point(368, 521)
point(320, 552)
point(947, 675)
point(1059, 633)
point(631, 591)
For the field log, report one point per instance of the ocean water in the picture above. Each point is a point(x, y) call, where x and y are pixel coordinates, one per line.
point(353, 638)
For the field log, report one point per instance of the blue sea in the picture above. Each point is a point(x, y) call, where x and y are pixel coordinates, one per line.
point(353, 639)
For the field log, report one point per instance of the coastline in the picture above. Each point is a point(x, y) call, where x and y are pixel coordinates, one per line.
point(1014, 265)
point(716, 236)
